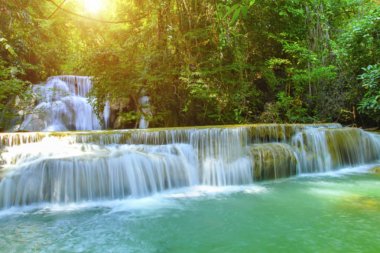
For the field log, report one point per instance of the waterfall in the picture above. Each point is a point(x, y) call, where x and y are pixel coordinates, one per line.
point(144, 103)
point(322, 150)
point(106, 115)
point(61, 105)
point(64, 167)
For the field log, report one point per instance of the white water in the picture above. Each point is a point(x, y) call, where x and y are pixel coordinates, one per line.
point(144, 103)
point(106, 115)
point(96, 166)
point(62, 105)
point(323, 150)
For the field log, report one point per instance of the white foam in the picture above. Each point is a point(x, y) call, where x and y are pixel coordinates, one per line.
point(343, 172)
point(164, 200)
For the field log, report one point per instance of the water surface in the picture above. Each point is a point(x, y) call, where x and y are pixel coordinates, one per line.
point(318, 213)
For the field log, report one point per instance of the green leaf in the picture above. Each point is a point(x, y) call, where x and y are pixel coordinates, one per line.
point(10, 50)
point(235, 16)
point(244, 11)
point(231, 9)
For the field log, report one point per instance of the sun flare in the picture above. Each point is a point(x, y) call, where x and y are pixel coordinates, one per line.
point(93, 6)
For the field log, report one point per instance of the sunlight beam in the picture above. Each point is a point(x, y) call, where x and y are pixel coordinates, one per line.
point(93, 6)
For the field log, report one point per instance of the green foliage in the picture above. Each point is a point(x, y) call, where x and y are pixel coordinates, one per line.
point(270, 114)
point(291, 109)
point(202, 62)
point(234, 11)
point(286, 109)
point(359, 45)
point(7, 47)
point(31, 49)
point(12, 95)
point(370, 104)
point(206, 62)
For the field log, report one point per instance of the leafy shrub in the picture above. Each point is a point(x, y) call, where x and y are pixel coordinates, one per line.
point(370, 104)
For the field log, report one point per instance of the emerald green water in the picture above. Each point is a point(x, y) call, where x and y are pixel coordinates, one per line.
point(320, 213)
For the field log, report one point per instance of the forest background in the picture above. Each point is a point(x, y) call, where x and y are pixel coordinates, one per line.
point(200, 62)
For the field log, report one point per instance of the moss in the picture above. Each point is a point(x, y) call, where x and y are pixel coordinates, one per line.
point(273, 161)
point(376, 170)
point(345, 146)
point(257, 133)
point(261, 133)
point(58, 134)
point(360, 203)
point(126, 137)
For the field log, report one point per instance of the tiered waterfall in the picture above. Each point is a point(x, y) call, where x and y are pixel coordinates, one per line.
point(66, 167)
point(61, 105)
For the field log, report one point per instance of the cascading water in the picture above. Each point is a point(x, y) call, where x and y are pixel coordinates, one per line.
point(62, 105)
point(106, 115)
point(322, 150)
point(144, 103)
point(64, 167)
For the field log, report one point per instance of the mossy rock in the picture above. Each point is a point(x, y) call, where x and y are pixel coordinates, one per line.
point(343, 145)
point(273, 161)
point(376, 170)
point(256, 133)
point(350, 146)
point(264, 133)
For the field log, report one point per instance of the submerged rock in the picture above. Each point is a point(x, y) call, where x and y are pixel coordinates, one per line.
point(360, 203)
point(376, 170)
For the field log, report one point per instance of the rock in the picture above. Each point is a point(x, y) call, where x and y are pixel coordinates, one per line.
point(350, 146)
point(361, 203)
point(118, 124)
point(273, 161)
point(120, 105)
point(33, 123)
point(262, 133)
point(376, 170)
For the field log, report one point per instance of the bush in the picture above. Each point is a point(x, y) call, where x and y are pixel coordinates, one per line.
point(370, 104)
